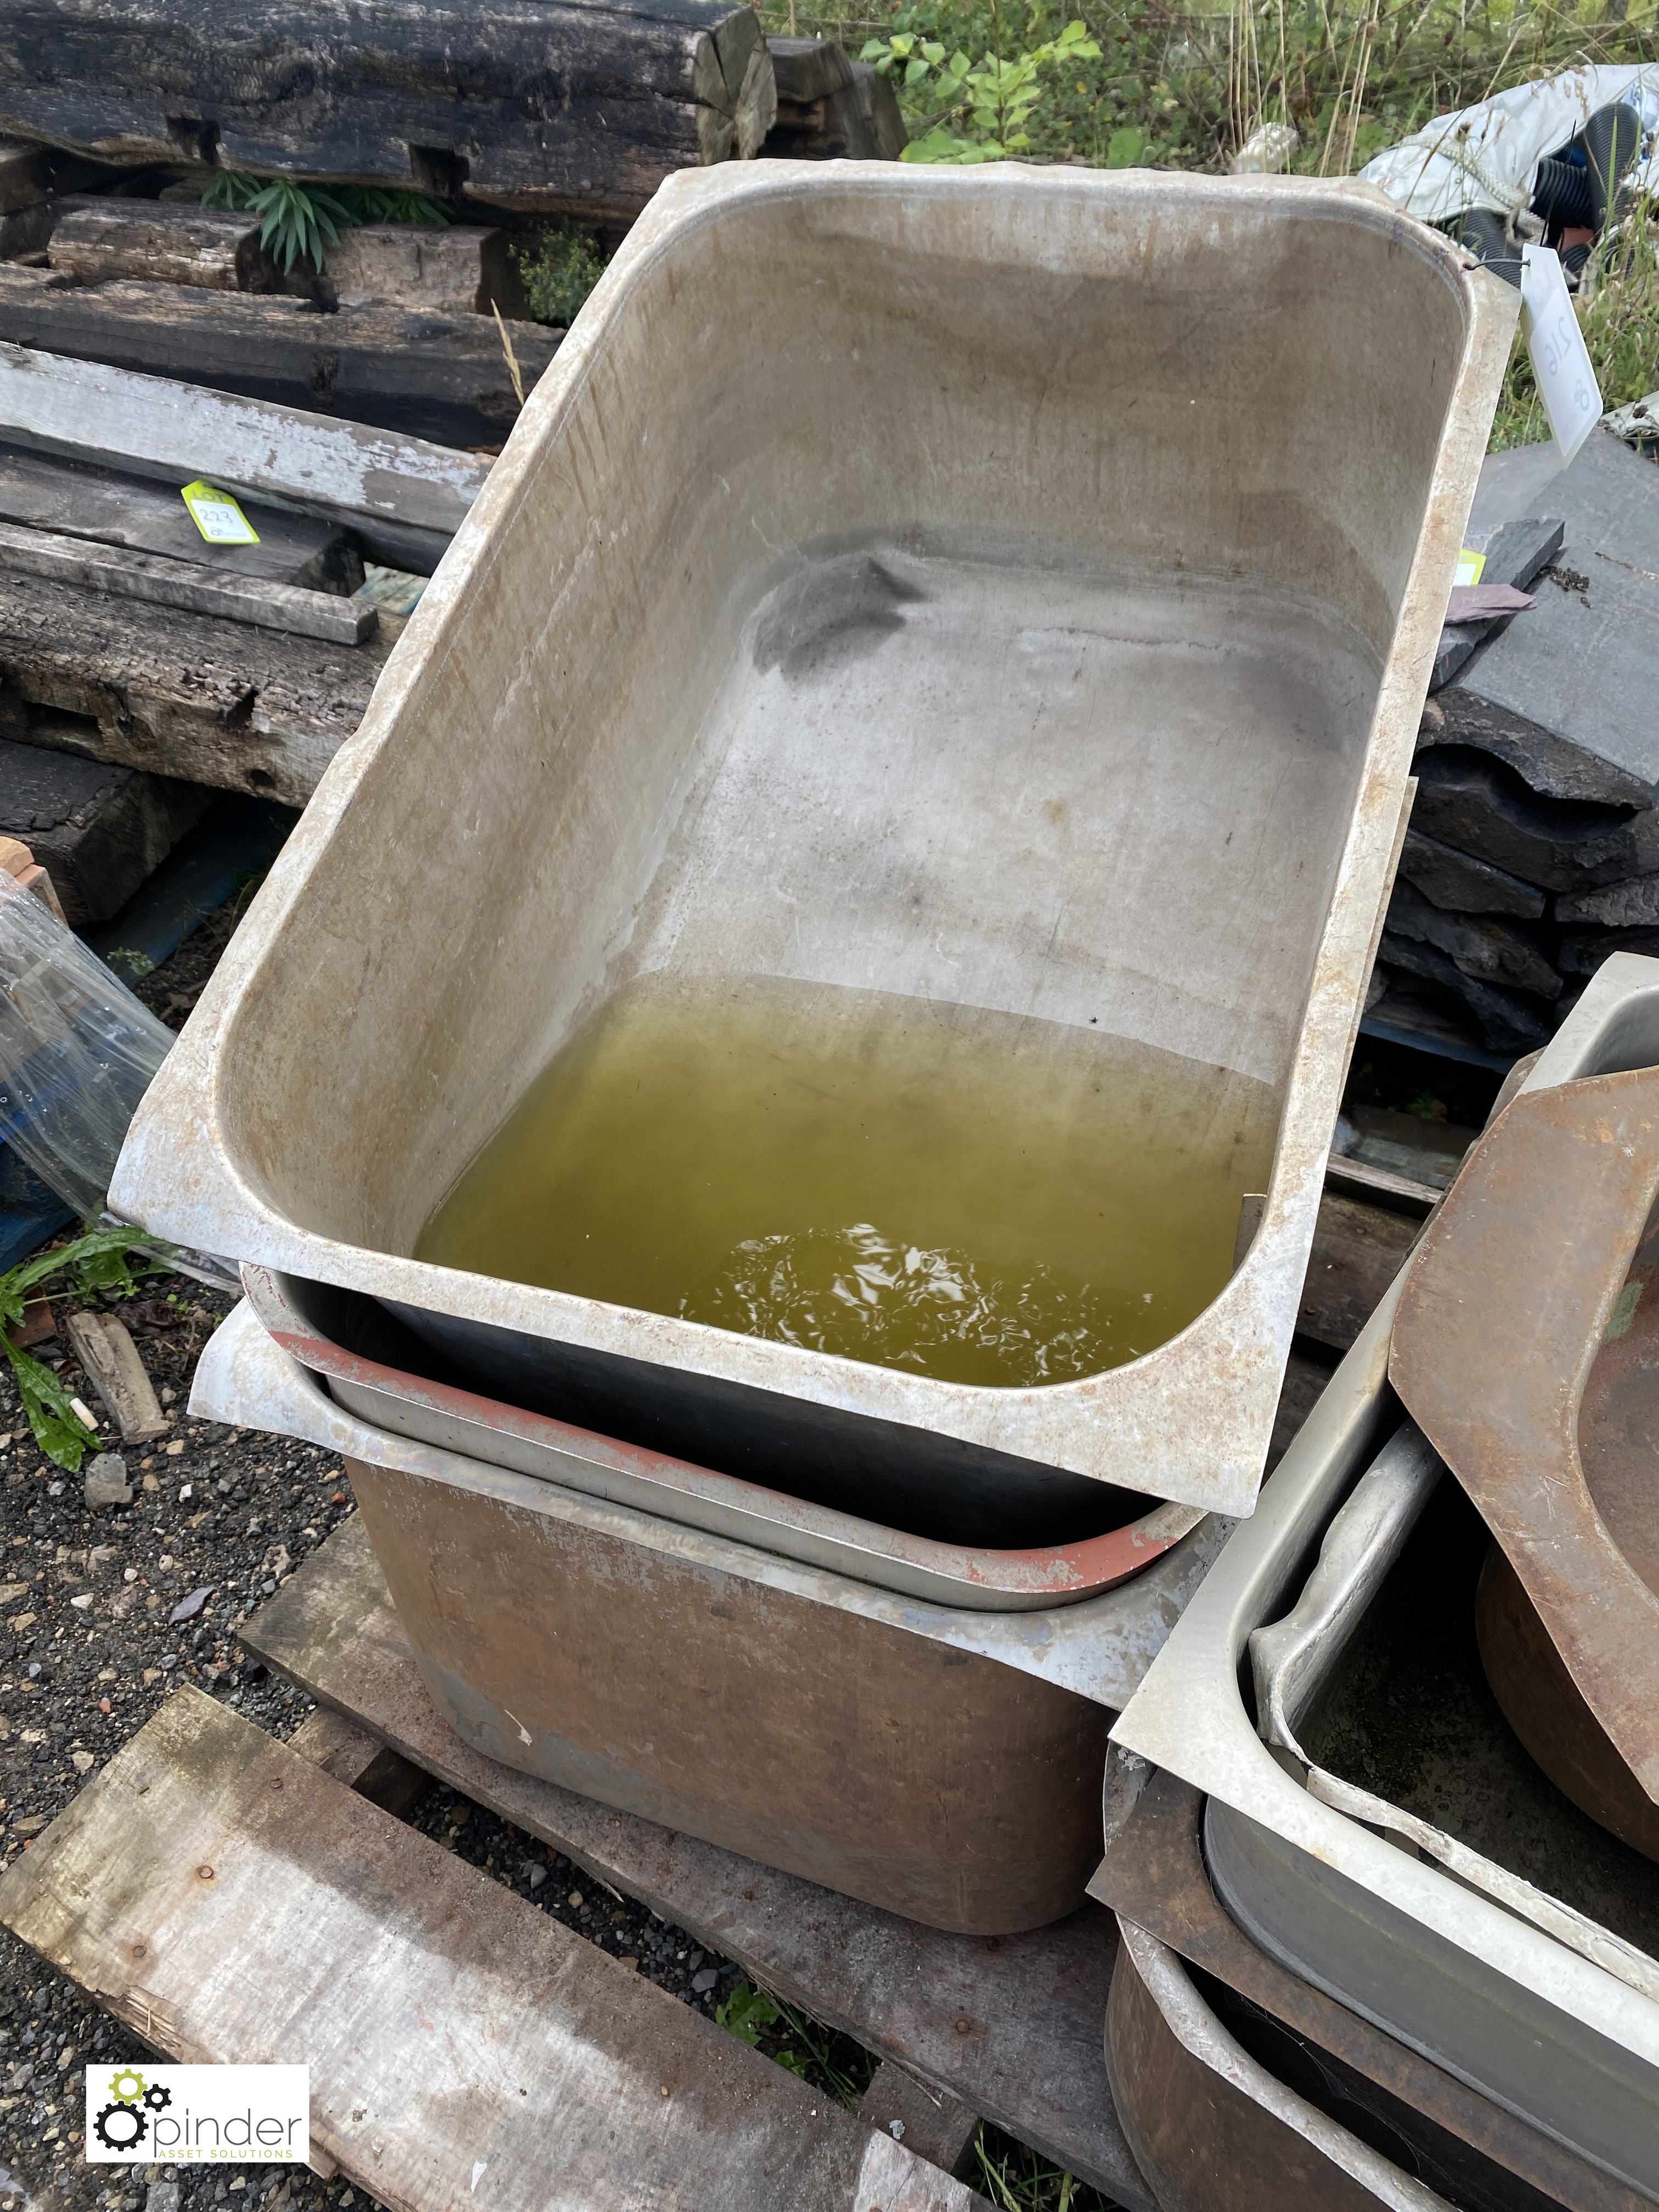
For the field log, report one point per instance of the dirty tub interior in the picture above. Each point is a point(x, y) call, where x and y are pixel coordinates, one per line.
point(962, 629)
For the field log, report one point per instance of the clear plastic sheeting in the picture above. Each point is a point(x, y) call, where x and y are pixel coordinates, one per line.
point(77, 1052)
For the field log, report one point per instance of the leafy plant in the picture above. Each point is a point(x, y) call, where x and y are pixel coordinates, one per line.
point(559, 271)
point(295, 218)
point(745, 2013)
point(1018, 2179)
point(992, 104)
point(99, 1261)
point(750, 2013)
point(135, 965)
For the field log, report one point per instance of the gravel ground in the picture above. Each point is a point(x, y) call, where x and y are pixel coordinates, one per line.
point(87, 1652)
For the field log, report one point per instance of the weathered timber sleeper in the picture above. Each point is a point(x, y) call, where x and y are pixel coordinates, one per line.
point(403, 498)
point(442, 378)
point(185, 695)
point(539, 104)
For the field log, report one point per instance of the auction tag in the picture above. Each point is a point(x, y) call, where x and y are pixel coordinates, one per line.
point(1560, 359)
point(1471, 566)
point(218, 516)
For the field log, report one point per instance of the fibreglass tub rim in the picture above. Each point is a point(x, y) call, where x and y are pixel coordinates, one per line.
point(1189, 1421)
point(1099, 1648)
point(994, 1581)
point(1188, 1715)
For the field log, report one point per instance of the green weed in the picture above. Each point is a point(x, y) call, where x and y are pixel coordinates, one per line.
point(1194, 83)
point(1016, 2178)
point(559, 271)
point(987, 110)
point(792, 2041)
point(100, 1262)
point(295, 219)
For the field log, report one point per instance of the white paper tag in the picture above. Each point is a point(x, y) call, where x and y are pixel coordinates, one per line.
point(1560, 359)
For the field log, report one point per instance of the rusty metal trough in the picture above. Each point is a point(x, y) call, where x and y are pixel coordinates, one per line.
point(941, 1762)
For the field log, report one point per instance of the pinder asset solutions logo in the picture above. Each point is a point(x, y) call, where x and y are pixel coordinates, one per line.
point(195, 2115)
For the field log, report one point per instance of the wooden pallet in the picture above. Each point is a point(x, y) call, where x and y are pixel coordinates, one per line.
point(235, 1903)
point(1013, 2027)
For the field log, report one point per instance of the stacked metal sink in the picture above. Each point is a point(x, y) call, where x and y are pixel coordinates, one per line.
point(985, 647)
point(1440, 1928)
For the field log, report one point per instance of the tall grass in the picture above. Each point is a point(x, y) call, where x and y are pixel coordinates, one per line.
point(1193, 82)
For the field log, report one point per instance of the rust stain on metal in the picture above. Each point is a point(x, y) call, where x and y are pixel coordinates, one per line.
point(1498, 1350)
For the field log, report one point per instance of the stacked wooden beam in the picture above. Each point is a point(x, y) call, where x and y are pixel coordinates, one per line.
point(550, 105)
point(1533, 851)
point(97, 830)
point(830, 108)
point(128, 639)
point(442, 378)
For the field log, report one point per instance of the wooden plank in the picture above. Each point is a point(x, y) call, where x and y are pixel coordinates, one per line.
point(161, 242)
point(190, 585)
point(110, 1359)
point(25, 172)
point(20, 863)
point(235, 1905)
point(26, 231)
point(1011, 2026)
point(405, 497)
point(99, 831)
point(442, 270)
point(31, 174)
point(438, 378)
point(183, 694)
point(362, 1762)
point(858, 120)
point(1401, 1194)
point(1357, 1250)
point(79, 499)
point(935, 2126)
point(807, 71)
point(551, 103)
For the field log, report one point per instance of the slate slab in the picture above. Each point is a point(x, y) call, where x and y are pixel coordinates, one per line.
point(1516, 552)
point(1491, 950)
point(1462, 884)
point(1565, 694)
point(1507, 1020)
point(1467, 798)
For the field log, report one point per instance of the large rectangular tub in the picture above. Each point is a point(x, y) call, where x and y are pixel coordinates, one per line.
point(1008, 595)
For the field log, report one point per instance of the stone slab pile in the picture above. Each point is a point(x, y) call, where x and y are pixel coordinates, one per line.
point(1533, 851)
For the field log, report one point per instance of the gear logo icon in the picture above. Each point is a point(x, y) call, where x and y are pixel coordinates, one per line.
point(120, 2126)
point(158, 2096)
point(129, 2095)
